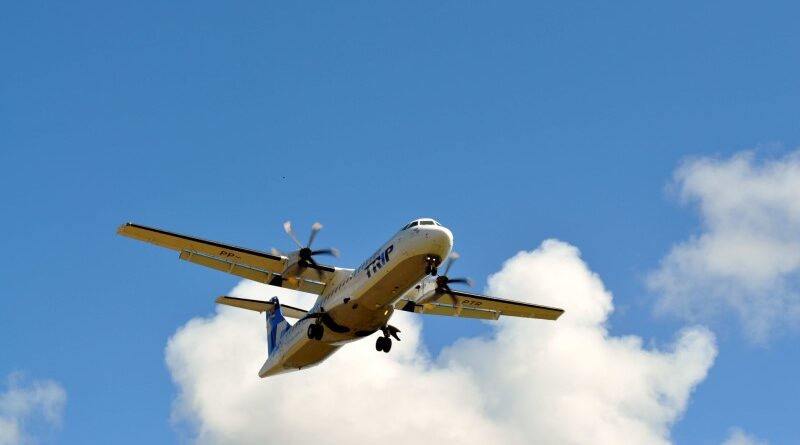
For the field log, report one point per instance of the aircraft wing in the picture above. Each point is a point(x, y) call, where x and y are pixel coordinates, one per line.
point(240, 261)
point(480, 306)
point(261, 306)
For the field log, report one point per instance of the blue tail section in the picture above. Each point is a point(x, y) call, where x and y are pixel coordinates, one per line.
point(277, 326)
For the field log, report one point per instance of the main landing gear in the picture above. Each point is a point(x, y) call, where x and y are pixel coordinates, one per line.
point(385, 343)
point(315, 331)
point(432, 265)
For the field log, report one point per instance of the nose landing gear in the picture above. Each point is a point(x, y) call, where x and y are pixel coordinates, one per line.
point(385, 343)
point(432, 265)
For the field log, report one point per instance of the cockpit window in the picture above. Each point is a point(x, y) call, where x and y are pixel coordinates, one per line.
point(421, 222)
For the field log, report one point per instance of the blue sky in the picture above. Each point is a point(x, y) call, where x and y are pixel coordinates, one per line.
point(510, 123)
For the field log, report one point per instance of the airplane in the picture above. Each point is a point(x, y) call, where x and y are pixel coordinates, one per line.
point(403, 274)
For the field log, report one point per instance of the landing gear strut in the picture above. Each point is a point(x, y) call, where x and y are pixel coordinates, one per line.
point(431, 265)
point(315, 331)
point(385, 343)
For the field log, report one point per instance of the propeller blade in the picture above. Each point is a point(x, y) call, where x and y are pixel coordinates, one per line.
point(316, 268)
point(452, 259)
point(467, 281)
point(276, 252)
point(331, 251)
point(305, 253)
point(287, 226)
point(315, 228)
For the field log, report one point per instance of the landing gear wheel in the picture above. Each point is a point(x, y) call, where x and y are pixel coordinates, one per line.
point(319, 331)
point(431, 265)
point(383, 344)
point(315, 332)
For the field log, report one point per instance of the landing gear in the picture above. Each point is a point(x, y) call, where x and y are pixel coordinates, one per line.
point(431, 265)
point(385, 343)
point(315, 331)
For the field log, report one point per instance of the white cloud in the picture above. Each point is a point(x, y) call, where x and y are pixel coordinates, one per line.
point(739, 437)
point(24, 403)
point(747, 258)
point(563, 382)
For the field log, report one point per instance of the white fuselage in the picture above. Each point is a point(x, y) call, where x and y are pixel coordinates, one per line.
point(358, 302)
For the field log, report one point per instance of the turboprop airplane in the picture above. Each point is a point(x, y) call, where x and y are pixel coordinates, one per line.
point(403, 274)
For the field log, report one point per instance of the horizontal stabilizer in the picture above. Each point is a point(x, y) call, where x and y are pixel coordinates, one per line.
point(261, 306)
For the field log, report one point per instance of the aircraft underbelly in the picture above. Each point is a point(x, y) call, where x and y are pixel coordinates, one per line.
point(368, 311)
point(392, 285)
point(303, 353)
point(309, 353)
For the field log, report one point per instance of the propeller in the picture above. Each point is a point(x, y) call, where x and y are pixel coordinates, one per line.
point(443, 282)
point(305, 254)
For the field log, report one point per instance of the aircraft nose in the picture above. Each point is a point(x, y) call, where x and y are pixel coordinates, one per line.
point(448, 237)
point(430, 239)
point(443, 238)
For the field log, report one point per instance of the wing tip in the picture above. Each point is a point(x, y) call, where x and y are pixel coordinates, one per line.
point(123, 227)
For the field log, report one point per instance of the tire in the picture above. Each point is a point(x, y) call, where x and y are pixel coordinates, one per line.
point(314, 332)
point(387, 345)
point(311, 331)
point(319, 331)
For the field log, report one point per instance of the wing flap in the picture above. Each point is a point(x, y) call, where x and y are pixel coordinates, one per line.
point(509, 308)
point(261, 306)
point(246, 263)
point(232, 254)
point(225, 266)
point(469, 305)
point(446, 310)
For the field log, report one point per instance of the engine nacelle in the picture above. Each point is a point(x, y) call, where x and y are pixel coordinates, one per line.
point(424, 292)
